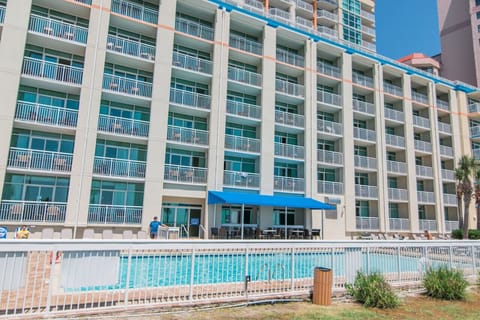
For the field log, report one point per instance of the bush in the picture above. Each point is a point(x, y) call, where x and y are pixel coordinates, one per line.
point(457, 234)
point(373, 291)
point(474, 234)
point(444, 283)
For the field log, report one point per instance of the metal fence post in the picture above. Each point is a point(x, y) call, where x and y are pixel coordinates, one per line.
point(52, 277)
point(368, 260)
point(246, 274)
point(292, 274)
point(127, 278)
point(474, 261)
point(192, 275)
point(398, 265)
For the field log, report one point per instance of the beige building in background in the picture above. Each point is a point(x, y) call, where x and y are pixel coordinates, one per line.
point(116, 111)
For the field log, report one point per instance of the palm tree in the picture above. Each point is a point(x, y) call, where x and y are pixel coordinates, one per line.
point(477, 196)
point(467, 168)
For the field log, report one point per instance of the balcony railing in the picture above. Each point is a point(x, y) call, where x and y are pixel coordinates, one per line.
point(118, 125)
point(244, 44)
point(279, 14)
point(368, 15)
point(289, 151)
point(392, 114)
point(330, 187)
point(451, 225)
point(254, 6)
point(112, 214)
point(304, 24)
point(368, 30)
point(365, 162)
point(188, 62)
point(329, 70)
point(40, 160)
point(476, 154)
point(243, 109)
point(444, 105)
point(446, 151)
point(244, 76)
point(329, 98)
point(329, 127)
point(327, 3)
point(392, 89)
point(327, 32)
point(53, 71)
point(43, 114)
point(448, 175)
point(395, 194)
point(185, 174)
point(421, 122)
point(399, 224)
point(58, 29)
point(304, 5)
point(474, 107)
point(187, 135)
point(450, 199)
point(424, 171)
point(130, 47)
point(191, 99)
point(420, 97)
point(444, 127)
point(127, 86)
point(32, 211)
point(289, 119)
point(290, 88)
point(241, 179)
point(426, 197)
point(423, 146)
point(288, 184)
point(331, 157)
point(367, 223)
point(364, 134)
point(364, 107)
point(362, 80)
point(327, 15)
point(119, 167)
point(475, 132)
point(394, 140)
point(430, 225)
point(135, 11)
point(396, 167)
point(242, 143)
point(194, 28)
point(365, 191)
point(290, 58)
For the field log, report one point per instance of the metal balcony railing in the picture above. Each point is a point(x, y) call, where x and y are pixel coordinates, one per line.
point(444, 105)
point(191, 99)
point(392, 89)
point(396, 167)
point(394, 140)
point(424, 171)
point(290, 58)
point(44, 114)
point(426, 197)
point(327, 32)
point(135, 11)
point(399, 224)
point(367, 223)
point(448, 175)
point(130, 47)
point(392, 114)
point(53, 71)
point(290, 119)
point(304, 24)
point(185, 174)
point(366, 191)
point(450, 199)
point(424, 146)
point(368, 15)
point(40, 160)
point(32, 211)
point(279, 14)
point(188, 62)
point(420, 97)
point(289, 88)
point(395, 194)
point(330, 187)
point(114, 214)
point(329, 127)
point(329, 70)
point(244, 44)
point(244, 76)
point(242, 143)
point(241, 179)
point(444, 127)
point(127, 86)
point(329, 98)
point(118, 125)
point(430, 225)
point(421, 122)
point(331, 157)
point(364, 107)
point(474, 107)
point(58, 29)
point(327, 15)
point(193, 28)
point(446, 151)
point(451, 225)
point(254, 6)
point(364, 134)
point(362, 80)
point(368, 30)
point(365, 162)
point(327, 3)
point(289, 151)
point(475, 132)
point(187, 135)
point(119, 167)
point(304, 5)
point(288, 184)
point(243, 109)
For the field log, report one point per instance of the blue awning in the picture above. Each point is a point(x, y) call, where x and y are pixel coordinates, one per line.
point(215, 197)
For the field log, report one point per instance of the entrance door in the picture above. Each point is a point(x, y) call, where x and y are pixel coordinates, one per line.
point(194, 228)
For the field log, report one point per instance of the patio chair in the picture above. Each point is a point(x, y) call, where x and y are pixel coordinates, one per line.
point(214, 233)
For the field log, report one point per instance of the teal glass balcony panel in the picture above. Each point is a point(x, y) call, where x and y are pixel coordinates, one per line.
point(367, 223)
point(40, 160)
point(365, 191)
point(475, 132)
point(58, 29)
point(289, 119)
point(185, 61)
point(193, 28)
point(419, 97)
point(444, 127)
point(187, 135)
point(290, 58)
point(396, 167)
point(395, 194)
point(364, 107)
point(426, 197)
point(130, 47)
point(289, 151)
point(399, 224)
point(53, 71)
point(330, 157)
point(127, 86)
point(392, 89)
point(289, 88)
point(394, 140)
point(243, 109)
point(191, 99)
point(365, 162)
point(135, 11)
point(329, 127)
point(392, 114)
point(421, 122)
point(304, 5)
point(430, 225)
point(364, 134)
point(185, 174)
point(114, 214)
point(119, 167)
point(25, 212)
point(362, 80)
point(2, 14)
point(244, 44)
point(242, 144)
point(244, 76)
point(288, 184)
point(329, 98)
point(48, 115)
point(423, 146)
point(237, 179)
point(330, 187)
point(118, 125)
point(424, 171)
point(329, 70)
point(474, 107)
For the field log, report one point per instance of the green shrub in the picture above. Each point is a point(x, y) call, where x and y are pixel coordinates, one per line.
point(474, 234)
point(373, 291)
point(444, 283)
point(457, 234)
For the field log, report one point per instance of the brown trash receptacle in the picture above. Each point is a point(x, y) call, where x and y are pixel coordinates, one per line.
point(322, 286)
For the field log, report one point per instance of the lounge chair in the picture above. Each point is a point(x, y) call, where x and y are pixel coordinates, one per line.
point(127, 234)
point(107, 234)
point(142, 235)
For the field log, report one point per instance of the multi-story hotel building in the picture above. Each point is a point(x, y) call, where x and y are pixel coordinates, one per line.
point(114, 111)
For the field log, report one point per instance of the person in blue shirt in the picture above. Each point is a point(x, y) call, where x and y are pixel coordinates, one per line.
point(153, 228)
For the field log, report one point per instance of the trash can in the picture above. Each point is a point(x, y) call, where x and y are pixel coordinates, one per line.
point(322, 286)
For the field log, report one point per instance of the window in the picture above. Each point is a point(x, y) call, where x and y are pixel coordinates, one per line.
point(326, 145)
point(35, 188)
point(326, 116)
point(239, 164)
point(285, 170)
point(279, 217)
point(362, 209)
point(361, 179)
point(360, 151)
point(420, 186)
point(359, 124)
point(418, 161)
point(421, 212)
point(393, 210)
point(391, 156)
point(390, 130)
point(392, 182)
point(325, 174)
point(234, 215)
point(116, 193)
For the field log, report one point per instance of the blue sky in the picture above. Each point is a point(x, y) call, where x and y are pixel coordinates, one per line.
point(401, 30)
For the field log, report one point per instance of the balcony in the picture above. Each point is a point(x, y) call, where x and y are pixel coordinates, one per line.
point(329, 4)
point(329, 98)
point(430, 225)
point(444, 105)
point(290, 58)
point(451, 225)
point(304, 24)
point(289, 119)
point(362, 80)
point(330, 157)
point(476, 154)
point(448, 175)
point(118, 125)
point(475, 132)
point(185, 174)
point(242, 144)
point(135, 11)
point(52, 71)
point(192, 63)
point(127, 86)
point(330, 187)
point(254, 6)
point(289, 151)
point(369, 31)
point(244, 76)
point(474, 107)
point(32, 211)
point(426, 197)
point(46, 115)
point(238, 179)
point(394, 115)
point(364, 134)
point(424, 171)
point(365, 191)
point(327, 15)
point(395, 194)
point(365, 162)
point(190, 99)
point(288, 184)
point(279, 14)
point(194, 28)
point(399, 224)
point(329, 70)
point(419, 97)
point(444, 127)
point(187, 135)
point(330, 127)
point(423, 146)
point(113, 167)
point(367, 223)
point(394, 140)
point(364, 107)
point(290, 88)
point(84, 1)
point(327, 32)
point(112, 214)
point(244, 44)
point(396, 167)
point(368, 15)
point(243, 109)
point(304, 5)
point(421, 122)
point(446, 151)
point(30, 159)
point(392, 89)
point(58, 29)
point(130, 47)
point(450, 200)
